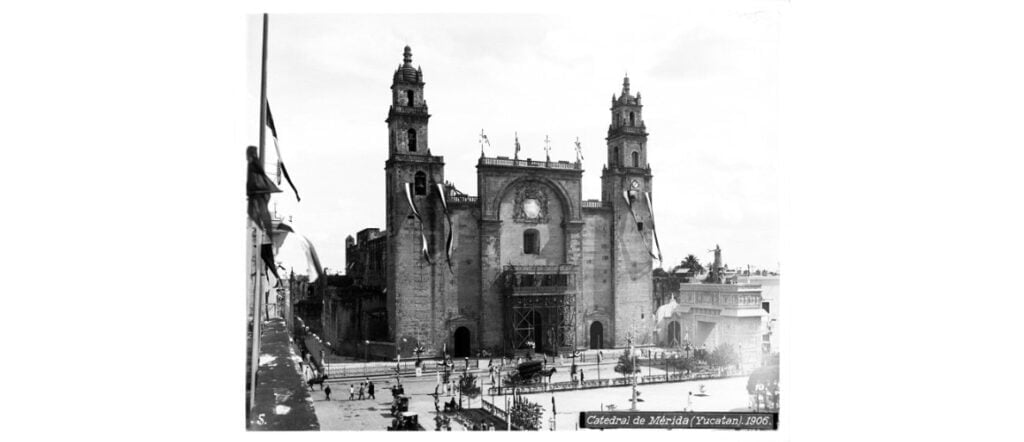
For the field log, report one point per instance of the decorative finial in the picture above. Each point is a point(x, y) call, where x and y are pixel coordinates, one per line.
point(407, 55)
point(625, 85)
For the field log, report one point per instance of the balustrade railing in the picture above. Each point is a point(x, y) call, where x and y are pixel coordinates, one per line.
point(530, 163)
point(615, 382)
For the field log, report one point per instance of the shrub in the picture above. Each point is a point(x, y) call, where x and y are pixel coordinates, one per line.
point(625, 365)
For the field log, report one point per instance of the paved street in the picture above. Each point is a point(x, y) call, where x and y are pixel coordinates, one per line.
point(342, 414)
point(728, 394)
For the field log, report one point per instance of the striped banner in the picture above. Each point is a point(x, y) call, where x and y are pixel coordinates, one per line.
point(654, 231)
point(625, 196)
point(408, 197)
point(449, 243)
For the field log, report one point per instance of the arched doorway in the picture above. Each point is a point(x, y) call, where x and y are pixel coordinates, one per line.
point(461, 342)
point(596, 335)
point(674, 334)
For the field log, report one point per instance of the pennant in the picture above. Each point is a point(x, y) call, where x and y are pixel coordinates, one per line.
point(408, 197)
point(258, 188)
point(267, 253)
point(448, 244)
point(280, 162)
point(625, 195)
point(654, 231)
point(483, 140)
point(312, 259)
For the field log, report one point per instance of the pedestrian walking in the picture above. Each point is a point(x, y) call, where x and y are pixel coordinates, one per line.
point(689, 402)
point(581, 377)
point(371, 391)
point(327, 391)
point(361, 392)
point(437, 403)
point(351, 392)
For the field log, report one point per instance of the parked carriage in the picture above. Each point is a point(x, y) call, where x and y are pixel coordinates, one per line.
point(530, 372)
point(399, 405)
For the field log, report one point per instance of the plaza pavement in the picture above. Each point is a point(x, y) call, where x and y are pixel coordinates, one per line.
point(727, 394)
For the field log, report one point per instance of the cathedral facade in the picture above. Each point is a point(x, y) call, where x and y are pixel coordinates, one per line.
point(527, 263)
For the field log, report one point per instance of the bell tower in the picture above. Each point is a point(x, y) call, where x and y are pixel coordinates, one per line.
point(407, 118)
point(415, 231)
point(625, 182)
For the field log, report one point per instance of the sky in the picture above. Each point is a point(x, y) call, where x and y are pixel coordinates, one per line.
point(708, 78)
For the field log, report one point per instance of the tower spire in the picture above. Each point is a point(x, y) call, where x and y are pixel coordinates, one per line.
point(407, 56)
point(625, 85)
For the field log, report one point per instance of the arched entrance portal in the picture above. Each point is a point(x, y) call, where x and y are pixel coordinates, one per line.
point(596, 335)
point(461, 342)
point(674, 335)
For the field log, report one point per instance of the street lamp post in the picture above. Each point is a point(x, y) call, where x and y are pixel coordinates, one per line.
point(366, 355)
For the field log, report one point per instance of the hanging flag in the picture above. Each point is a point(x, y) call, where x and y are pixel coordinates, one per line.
point(483, 140)
point(312, 259)
point(280, 162)
point(258, 188)
point(448, 244)
point(267, 253)
point(408, 197)
point(629, 203)
point(654, 231)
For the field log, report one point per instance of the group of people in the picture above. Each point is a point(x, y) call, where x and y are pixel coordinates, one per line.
point(365, 390)
point(444, 423)
point(765, 397)
point(482, 426)
point(449, 406)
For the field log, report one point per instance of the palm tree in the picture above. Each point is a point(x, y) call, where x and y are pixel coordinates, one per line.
point(693, 264)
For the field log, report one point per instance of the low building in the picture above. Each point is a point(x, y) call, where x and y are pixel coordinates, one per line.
point(708, 315)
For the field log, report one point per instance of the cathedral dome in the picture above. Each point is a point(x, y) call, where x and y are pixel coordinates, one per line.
point(406, 73)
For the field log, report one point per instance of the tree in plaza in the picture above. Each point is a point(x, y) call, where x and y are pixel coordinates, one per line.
point(723, 356)
point(468, 386)
point(684, 364)
point(525, 414)
point(625, 366)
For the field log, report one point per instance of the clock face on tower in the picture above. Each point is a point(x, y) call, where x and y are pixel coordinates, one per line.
point(635, 184)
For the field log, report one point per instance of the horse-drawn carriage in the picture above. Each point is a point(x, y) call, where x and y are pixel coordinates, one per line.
point(530, 372)
point(399, 405)
point(406, 421)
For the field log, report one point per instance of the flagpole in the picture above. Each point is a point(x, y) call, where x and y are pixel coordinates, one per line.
point(258, 287)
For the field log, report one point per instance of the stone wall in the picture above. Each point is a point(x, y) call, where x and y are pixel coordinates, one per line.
point(595, 301)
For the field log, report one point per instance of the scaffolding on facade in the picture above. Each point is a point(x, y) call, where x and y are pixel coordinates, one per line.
point(540, 307)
